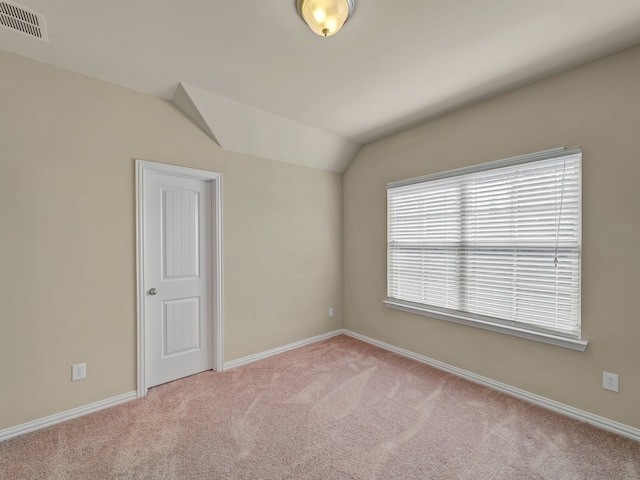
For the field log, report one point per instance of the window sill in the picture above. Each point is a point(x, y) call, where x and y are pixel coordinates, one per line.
point(573, 344)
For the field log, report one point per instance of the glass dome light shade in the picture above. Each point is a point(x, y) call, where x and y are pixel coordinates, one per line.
point(325, 17)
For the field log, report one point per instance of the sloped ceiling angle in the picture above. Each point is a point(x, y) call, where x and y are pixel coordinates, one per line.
point(239, 127)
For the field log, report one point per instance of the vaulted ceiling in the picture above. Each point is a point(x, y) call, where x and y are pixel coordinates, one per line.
point(395, 63)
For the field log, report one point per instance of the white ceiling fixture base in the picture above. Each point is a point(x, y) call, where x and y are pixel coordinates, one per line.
point(239, 127)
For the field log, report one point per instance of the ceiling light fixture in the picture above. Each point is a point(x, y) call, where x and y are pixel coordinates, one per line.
point(325, 17)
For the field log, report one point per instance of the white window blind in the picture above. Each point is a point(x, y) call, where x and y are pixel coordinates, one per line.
point(497, 243)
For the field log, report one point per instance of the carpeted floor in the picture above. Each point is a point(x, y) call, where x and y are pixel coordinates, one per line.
point(337, 409)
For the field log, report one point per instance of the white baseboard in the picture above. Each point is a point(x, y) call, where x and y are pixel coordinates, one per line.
point(110, 402)
point(259, 356)
point(601, 422)
point(8, 433)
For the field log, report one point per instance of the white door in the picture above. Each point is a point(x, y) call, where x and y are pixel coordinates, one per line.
point(177, 279)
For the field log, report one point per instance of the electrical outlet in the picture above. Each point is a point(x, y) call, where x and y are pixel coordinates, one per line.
point(330, 312)
point(78, 371)
point(610, 381)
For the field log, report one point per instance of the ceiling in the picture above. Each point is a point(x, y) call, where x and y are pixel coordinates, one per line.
point(395, 63)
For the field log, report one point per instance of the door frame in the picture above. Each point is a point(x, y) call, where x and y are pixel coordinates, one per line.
point(144, 167)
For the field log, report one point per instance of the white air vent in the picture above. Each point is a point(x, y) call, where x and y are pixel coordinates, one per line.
point(23, 20)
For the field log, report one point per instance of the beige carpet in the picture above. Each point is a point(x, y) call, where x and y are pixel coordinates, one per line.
point(337, 409)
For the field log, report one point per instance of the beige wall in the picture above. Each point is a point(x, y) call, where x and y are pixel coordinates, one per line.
point(596, 106)
point(67, 237)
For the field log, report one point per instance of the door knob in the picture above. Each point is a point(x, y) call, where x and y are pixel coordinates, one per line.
point(153, 291)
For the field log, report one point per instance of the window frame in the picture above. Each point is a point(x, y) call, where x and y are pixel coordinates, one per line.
point(480, 321)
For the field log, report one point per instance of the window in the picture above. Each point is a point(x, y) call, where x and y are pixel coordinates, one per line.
point(495, 246)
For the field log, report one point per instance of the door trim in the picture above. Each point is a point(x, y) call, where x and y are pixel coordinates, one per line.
point(144, 167)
